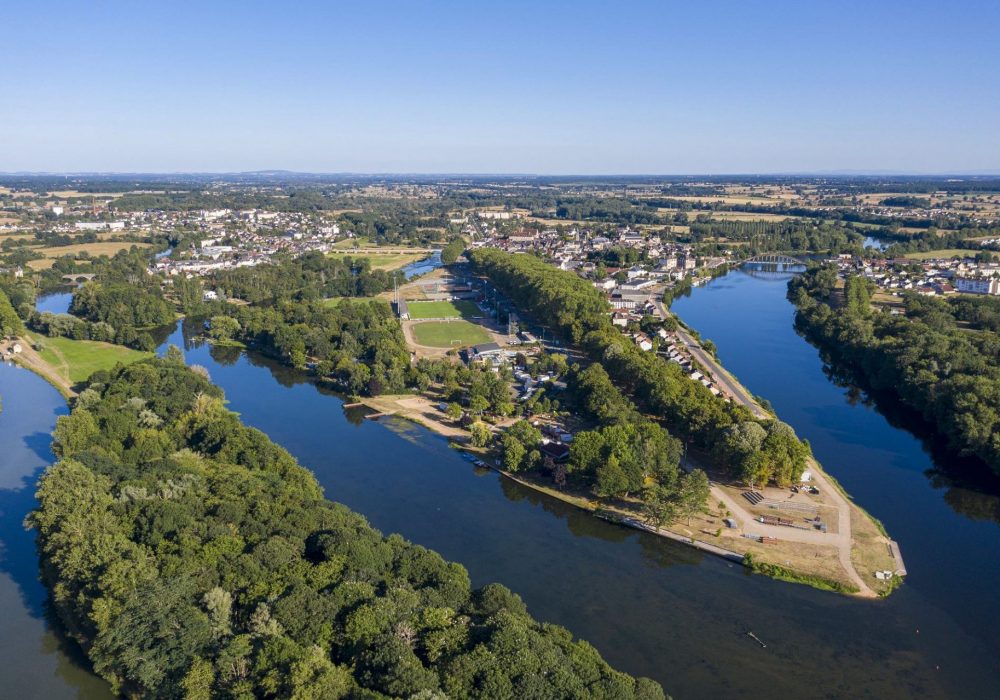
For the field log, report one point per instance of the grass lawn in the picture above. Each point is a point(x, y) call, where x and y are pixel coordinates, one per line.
point(447, 334)
point(347, 243)
point(945, 253)
point(389, 261)
point(443, 309)
point(78, 359)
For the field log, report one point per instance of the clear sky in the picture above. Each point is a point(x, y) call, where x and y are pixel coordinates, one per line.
point(502, 86)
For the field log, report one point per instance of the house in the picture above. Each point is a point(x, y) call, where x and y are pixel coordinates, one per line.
point(643, 341)
point(556, 451)
point(619, 319)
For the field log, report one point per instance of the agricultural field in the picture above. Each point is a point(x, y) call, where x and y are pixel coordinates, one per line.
point(99, 248)
point(443, 309)
point(449, 334)
point(76, 360)
point(945, 254)
point(739, 215)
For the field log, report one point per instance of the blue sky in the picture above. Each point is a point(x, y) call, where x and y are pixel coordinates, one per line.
point(528, 87)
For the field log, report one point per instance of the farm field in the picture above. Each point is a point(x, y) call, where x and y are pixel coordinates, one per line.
point(448, 334)
point(944, 253)
point(443, 309)
point(108, 248)
point(76, 360)
point(742, 216)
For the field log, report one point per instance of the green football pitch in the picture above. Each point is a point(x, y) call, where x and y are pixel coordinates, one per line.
point(448, 334)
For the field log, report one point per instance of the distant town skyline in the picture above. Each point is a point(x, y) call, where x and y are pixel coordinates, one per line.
point(558, 88)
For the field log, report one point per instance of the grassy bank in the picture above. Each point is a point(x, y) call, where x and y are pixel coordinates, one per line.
point(785, 574)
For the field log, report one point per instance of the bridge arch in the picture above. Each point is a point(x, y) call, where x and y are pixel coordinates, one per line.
point(773, 259)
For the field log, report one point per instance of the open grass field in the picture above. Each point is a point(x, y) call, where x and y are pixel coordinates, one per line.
point(76, 360)
point(348, 243)
point(390, 261)
point(448, 334)
point(945, 253)
point(443, 309)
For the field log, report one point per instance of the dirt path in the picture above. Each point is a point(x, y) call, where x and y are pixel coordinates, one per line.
point(841, 539)
point(54, 375)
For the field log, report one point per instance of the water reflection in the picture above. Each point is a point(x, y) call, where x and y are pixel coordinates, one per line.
point(38, 663)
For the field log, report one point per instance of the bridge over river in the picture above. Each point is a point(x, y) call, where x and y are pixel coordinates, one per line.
point(773, 259)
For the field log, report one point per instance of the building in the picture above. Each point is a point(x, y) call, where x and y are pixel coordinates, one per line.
point(490, 353)
point(978, 285)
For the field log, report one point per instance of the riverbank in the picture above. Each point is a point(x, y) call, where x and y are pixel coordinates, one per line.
point(64, 362)
point(843, 558)
point(32, 361)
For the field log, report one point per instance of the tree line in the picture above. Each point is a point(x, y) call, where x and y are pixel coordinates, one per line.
point(939, 358)
point(572, 307)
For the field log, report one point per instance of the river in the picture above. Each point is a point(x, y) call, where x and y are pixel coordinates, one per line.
point(651, 606)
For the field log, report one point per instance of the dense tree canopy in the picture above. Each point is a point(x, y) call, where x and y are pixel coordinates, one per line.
point(192, 557)
point(10, 322)
point(575, 309)
point(940, 358)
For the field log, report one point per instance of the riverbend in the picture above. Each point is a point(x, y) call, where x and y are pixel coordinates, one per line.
point(651, 606)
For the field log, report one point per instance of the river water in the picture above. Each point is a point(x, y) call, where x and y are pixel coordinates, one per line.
point(651, 606)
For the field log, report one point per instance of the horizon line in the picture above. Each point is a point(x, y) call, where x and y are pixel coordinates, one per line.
point(388, 173)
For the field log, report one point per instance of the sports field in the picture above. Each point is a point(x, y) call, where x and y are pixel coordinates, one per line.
point(443, 309)
point(388, 261)
point(449, 334)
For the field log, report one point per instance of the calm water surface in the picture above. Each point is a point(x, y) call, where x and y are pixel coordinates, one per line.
point(54, 303)
point(652, 607)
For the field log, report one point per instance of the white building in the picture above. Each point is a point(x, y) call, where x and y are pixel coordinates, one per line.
point(978, 285)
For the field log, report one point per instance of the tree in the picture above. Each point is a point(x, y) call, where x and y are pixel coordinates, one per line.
point(586, 452)
point(452, 250)
point(481, 434)
point(454, 411)
point(223, 328)
point(513, 452)
point(526, 433)
point(611, 479)
point(658, 505)
point(314, 677)
point(10, 322)
point(479, 405)
point(692, 493)
point(219, 603)
point(199, 680)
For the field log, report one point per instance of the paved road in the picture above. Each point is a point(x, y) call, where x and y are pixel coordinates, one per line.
point(734, 389)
